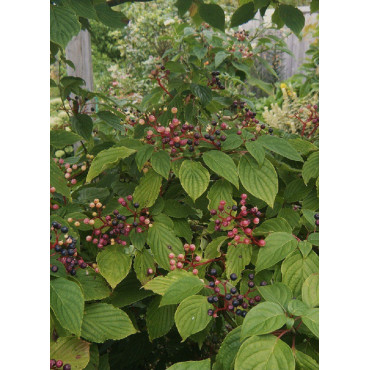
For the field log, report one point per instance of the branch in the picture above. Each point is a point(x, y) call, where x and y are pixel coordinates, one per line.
point(118, 2)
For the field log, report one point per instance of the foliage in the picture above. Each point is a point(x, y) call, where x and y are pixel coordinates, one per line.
point(184, 232)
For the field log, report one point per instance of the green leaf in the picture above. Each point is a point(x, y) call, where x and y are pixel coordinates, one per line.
point(311, 320)
point(106, 158)
point(111, 120)
point(262, 182)
point(213, 248)
point(297, 307)
point(109, 17)
point(276, 19)
point(58, 181)
point(278, 293)
point(273, 225)
point(83, 125)
point(63, 25)
point(264, 318)
point(175, 67)
point(182, 228)
point(161, 163)
point(159, 320)
point(103, 321)
point(305, 247)
point(93, 285)
point(313, 239)
point(146, 193)
point(183, 6)
point(138, 239)
point(220, 190)
point(128, 292)
point(278, 246)
point(304, 147)
point(296, 190)
point(280, 146)
point(160, 284)
point(237, 257)
point(192, 315)
point(310, 168)
point(176, 209)
point(314, 6)
point(256, 150)
point(292, 17)
point(232, 142)
point(229, 348)
point(296, 269)
point(67, 303)
point(220, 57)
point(223, 165)
point(204, 93)
point(71, 350)
point(243, 14)
point(61, 138)
point(114, 264)
point(305, 362)
point(213, 15)
point(162, 241)
point(310, 290)
point(181, 289)
point(143, 261)
point(258, 4)
point(192, 365)
point(264, 352)
point(194, 178)
point(143, 155)
point(83, 8)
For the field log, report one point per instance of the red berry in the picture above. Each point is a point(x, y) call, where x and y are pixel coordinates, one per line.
point(59, 363)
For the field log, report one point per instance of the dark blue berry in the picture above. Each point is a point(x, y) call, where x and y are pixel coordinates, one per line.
point(64, 229)
point(263, 283)
point(213, 272)
point(233, 277)
point(71, 252)
point(244, 313)
point(210, 312)
point(64, 252)
point(251, 276)
point(211, 284)
point(234, 208)
point(228, 297)
point(250, 284)
point(215, 299)
point(54, 268)
point(73, 272)
point(316, 216)
point(233, 290)
point(58, 248)
point(238, 312)
point(236, 302)
point(136, 205)
point(210, 299)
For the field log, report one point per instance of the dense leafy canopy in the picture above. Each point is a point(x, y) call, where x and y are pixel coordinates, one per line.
point(184, 227)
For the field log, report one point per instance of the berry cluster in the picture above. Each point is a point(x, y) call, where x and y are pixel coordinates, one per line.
point(57, 364)
point(187, 261)
point(241, 35)
point(242, 220)
point(178, 137)
point(244, 50)
point(113, 227)
point(215, 81)
point(230, 300)
point(66, 246)
point(71, 171)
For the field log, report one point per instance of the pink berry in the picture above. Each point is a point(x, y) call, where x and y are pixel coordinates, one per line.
point(95, 241)
point(150, 271)
point(222, 202)
point(172, 262)
point(73, 181)
point(129, 197)
point(120, 200)
point(59, 363)
point(198, 258)
point(151, 118)
point(262, 243)
point(195, 272)
point(192, 247)
point(89, 238)
point(235, 230)
point(248, 231)
point(256, 221)
point(179, 265)
point(180, 256)
point(55, 206)
point(171, 255)
point(52, 190)
point(172, 268)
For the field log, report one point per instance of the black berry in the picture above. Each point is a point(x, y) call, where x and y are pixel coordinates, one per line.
point(233, 277)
